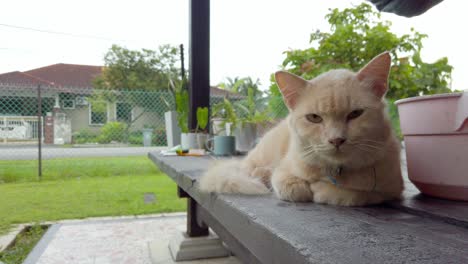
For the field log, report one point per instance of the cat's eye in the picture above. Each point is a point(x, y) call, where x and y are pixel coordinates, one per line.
point(314, 118)
point(355, 114)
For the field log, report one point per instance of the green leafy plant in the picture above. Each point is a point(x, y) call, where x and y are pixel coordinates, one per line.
point(248, 109)
point(182, 108)
point(85, 136)
point(225, 110)
point(241, 86)
point(202, 118)
point(113, 131)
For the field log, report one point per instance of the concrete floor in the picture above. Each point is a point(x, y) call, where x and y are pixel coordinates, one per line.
point(112, 240)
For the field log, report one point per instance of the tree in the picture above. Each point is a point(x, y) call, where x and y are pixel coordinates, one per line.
point(139, 81)
point(356, 36)
point(242, 86)
point(138, 70)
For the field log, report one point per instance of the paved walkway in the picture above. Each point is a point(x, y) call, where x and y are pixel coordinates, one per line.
point(116, 240)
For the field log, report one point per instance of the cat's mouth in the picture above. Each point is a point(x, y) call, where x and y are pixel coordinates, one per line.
point(340, 152)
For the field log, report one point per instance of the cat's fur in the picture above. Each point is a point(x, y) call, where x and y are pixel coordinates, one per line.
point(298, 158)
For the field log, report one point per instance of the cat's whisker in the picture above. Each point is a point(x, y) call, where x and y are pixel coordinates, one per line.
point(373, 141)
point(310, 151)
point(365, 150)
point(367, 141)
point(370, 146)
point(316, 147)
point(355, 144)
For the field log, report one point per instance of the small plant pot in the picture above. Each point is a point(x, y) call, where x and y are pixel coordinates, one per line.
point(228, 129)
point(201, 140)
point(245, 134)
point(218, 128)
point(192, 140)
point(184, 141)
point(435, 130)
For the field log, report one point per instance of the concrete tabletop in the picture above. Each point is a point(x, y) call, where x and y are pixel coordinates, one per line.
point(416, 230)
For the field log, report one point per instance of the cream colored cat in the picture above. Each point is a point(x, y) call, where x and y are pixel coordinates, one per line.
point(336, 146)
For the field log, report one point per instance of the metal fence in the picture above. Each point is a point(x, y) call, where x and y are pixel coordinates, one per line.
point(82, 116)
point(70, 122)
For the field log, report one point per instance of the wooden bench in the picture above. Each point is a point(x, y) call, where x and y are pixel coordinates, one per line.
point(263, 229)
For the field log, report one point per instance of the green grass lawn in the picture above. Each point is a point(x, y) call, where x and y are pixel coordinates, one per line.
point(79, 188)
point(70, 168)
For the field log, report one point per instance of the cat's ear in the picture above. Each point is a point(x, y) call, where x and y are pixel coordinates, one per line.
point(290, 86)
point(376, 73)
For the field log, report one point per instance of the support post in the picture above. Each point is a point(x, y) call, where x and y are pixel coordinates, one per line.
point(199, 58)
point(196, 243)
point(195, 227)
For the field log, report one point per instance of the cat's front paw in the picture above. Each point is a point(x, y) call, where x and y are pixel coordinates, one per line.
point(326, 193)
point(293, 189)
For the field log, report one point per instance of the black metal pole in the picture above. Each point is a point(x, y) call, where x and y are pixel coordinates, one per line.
point(199, 58)
point(39, 130)
point(182, 66)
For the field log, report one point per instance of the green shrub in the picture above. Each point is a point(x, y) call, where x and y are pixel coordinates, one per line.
point(113, 131)
point(85, 136)
point(136, 138)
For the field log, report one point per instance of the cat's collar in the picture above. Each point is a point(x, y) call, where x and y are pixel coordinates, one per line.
point(332, 173)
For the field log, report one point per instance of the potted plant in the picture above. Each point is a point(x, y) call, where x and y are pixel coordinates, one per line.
point(202, 123)
point(249, 116)
point(182, 108)
point(173, 118)
point(176, 120)
point(223, 115)
point(224, 120)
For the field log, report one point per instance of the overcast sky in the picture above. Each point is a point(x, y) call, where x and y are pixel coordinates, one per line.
point(248, 37)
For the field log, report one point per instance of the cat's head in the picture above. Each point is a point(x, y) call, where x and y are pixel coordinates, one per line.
point(339, 117)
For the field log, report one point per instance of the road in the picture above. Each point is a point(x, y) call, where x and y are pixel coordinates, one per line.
point(30, 152)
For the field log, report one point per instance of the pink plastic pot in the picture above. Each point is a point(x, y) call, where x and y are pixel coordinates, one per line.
point(435, 130)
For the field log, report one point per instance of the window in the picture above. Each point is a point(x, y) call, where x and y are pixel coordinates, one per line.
point(97, 113)
point(68, 104)
point(123, 112)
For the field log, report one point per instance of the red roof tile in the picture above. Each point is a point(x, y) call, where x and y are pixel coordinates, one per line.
point(20, 78)
point(68, 75)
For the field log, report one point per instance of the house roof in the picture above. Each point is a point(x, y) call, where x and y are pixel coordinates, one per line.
point(218, 92)
point(67, 78)
point(21, 78)
point(70, 78)
point(68, 75)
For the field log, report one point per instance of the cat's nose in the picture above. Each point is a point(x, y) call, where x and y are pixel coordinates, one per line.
point(337, 142)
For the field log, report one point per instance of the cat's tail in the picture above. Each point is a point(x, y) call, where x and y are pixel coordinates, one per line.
point(231, 177)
